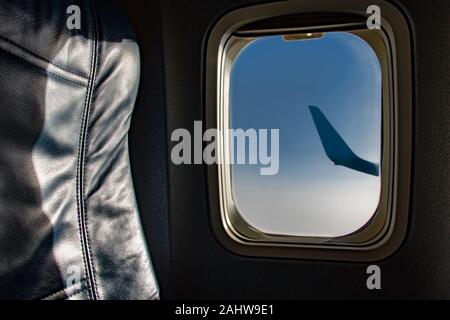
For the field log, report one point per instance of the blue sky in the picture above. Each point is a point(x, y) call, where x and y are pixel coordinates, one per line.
point(272, 83)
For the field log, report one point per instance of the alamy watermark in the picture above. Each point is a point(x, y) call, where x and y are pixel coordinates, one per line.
point(250, 146)
point(73, 280)
point(374, 19)
point(74, 19)
point(373, 282)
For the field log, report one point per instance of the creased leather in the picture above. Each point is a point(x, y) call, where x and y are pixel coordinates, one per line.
point(66, 195)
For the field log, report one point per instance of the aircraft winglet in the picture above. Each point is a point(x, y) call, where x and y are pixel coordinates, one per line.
point(337, 149)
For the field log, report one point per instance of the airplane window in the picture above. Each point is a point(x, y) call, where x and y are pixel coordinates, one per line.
point(313, 115)
point(310, 106)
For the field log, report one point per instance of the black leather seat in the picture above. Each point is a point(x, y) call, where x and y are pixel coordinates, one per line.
point(69, 224)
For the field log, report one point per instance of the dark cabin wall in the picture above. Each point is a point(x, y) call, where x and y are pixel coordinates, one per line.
point(188, 259)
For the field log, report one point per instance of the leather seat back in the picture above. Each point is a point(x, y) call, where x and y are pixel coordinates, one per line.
point(69, 223)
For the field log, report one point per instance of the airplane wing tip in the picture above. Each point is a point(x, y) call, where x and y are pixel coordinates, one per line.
point(336, 148)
